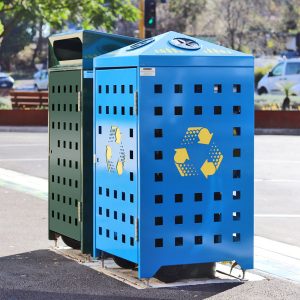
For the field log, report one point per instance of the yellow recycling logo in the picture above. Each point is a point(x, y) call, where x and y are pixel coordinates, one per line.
point(115, 153)
point(185, 165)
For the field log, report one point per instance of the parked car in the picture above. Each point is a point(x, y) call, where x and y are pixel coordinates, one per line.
point(41, 80)
point(287, 71)
point(6, 81)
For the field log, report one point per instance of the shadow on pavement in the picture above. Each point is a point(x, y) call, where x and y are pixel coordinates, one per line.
point(44, 274)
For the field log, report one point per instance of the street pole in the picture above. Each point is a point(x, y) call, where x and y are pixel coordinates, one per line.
point(141, 23)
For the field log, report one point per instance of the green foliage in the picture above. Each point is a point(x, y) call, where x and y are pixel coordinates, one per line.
point(259, 73)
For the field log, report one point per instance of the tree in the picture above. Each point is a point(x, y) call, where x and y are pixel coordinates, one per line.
point(87, 14)
point(180, 15)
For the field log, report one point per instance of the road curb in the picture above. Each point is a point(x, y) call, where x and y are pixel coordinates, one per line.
point(277, 131)
point(23, 129)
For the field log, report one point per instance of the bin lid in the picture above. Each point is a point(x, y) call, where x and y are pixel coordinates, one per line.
point(78, 48)
point(174, 49)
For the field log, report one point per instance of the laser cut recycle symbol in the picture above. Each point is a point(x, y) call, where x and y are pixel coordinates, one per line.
point(115, 153)
point(185, 166)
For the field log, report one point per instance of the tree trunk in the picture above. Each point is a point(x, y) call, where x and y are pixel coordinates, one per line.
point(39, 43)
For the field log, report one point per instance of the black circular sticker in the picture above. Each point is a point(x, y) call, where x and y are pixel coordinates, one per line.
point(184, 43)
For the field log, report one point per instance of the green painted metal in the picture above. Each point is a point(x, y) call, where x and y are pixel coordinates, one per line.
point(71, 131)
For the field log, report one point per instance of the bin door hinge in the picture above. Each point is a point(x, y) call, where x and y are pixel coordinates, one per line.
point(136, 229)
point(79, 211)
point(79, 101)
point(136, 103)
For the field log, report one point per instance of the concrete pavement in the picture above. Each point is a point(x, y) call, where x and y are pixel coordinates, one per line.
point(28, 270)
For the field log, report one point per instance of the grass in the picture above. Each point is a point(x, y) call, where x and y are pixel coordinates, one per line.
point(274, 102)
point(5, 103)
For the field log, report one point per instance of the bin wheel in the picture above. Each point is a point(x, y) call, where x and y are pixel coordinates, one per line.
point(124, 263)
point(71, 243)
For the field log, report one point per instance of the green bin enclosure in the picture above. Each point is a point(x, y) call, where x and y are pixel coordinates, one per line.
point(70, 132)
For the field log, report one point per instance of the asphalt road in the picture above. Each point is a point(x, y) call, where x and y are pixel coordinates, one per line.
point(28, 270)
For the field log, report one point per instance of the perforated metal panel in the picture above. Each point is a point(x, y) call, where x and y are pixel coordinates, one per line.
point(116, 167)
point(194, 153)
point(64, 153)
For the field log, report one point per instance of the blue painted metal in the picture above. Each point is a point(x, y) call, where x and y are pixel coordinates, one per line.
point(194, 190)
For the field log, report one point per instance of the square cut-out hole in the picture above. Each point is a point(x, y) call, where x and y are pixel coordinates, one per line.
point(198, 218)
point(236, 216)
point(107, 89)
point(198, 197)
point(236, 195)
point(178, 241)
point(107, 192)
point(115, 215)
point(100, 230)
point(236, 152)
point(53, 89)
point(217, 217)
point(123, 196)
point(158, 88)
point(178, 219)
point(99, 110)
point(198, 110)
point(158, 155)
point(236, 173)
point(159, 243)
point(158, 199)
point(218, 88)
point(131, 220)
point(123, 89)
point(178, 88)
point(236, 131)
point(198, 240)
point(158, 133)
point(123, 110)
point(107, 213)
point(100, 211)
point(217, 196)
point(236, 237)
point(131, 176)
point(158, 111)
point(100, 190)
point(123, 239)
point(131, 89)
point(217, 238)
point(52, 213)
point(115, 110)
point(236, 110)
point(131, 198)
point(131, 154)
point(198, 88)
point(107, 233)
point(158, 177)
point(236, 88)
point(131, 241)
point(115, 194)
point(65, 107)
point(107, 110)
point(123, 217)
point(178, 110)
point(217, 110)
point(131, 132)
point(114, 88)
point(178, 198)
point(100, 129)
point(158, 221)
point(131, 110)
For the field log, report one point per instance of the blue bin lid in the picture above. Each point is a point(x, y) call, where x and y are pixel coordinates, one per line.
point(173, 49)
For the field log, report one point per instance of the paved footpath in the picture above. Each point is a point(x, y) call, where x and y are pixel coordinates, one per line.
point(28, 270)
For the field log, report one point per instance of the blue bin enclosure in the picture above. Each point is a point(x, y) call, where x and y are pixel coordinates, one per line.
point(173, 144)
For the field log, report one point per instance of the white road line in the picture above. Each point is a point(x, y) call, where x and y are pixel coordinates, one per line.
point(277, 161)
point(23, 159)
point(276, 216)
point(22, 145)
point(276, 180)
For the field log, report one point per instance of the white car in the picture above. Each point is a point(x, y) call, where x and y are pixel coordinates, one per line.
point(285, 72)
point(41, 80)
